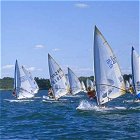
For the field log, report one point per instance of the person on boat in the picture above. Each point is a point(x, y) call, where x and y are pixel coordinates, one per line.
point(50, 93)
point(138, 89)
point(14, 93)
point(91, 93)
point(70, 91)
point(131, 90)
point(103, 106)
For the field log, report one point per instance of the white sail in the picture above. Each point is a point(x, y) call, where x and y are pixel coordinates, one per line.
point(57, 79)
point(75, 85)
point(22, 86)
point(89, 83)
point(32, 82)
point(83, 86)
point(130, 81)
point(135, 60)
point(67, 78)
point(127, 85)
point(109, 81)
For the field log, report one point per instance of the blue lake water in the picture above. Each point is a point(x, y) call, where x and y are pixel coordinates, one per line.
point(37, 120)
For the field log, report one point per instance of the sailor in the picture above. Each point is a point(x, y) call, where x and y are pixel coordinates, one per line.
point(91, 93)
point(50, 93)
point(138, 89)
point(14, 93)
point(131, 90)
point(70, 91)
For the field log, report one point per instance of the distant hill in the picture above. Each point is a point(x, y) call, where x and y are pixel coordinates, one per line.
point(7, 83)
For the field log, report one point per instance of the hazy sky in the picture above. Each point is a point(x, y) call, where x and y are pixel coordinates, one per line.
point(31, 30)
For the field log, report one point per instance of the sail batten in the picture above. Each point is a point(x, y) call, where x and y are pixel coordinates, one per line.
point(109, 81)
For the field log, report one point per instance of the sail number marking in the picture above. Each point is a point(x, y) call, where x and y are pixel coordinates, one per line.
point(111, 61)
point(57, 76)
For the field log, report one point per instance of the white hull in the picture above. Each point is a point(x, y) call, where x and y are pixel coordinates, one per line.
point(48, 98)
point(21, 95)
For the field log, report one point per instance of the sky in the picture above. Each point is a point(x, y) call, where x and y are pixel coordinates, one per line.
point(31, 30)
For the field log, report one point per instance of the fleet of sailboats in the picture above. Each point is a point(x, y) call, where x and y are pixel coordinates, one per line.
point(109, 82)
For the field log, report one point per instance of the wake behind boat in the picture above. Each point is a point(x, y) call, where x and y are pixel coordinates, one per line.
point(18, 101)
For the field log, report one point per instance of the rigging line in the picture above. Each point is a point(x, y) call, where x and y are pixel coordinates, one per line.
point(60, 88)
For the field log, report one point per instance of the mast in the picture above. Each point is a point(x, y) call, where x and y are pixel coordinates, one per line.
point(15, 75)
point(132, 65)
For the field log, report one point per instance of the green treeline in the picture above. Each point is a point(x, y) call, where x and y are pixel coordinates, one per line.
point(7, 83)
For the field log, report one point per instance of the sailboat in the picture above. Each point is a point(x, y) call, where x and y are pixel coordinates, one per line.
point(135, 62)
point(22, 87)
point(108, 77)
point(32, 82)
point(83, 86)
point(75, 85)
point(58, 79)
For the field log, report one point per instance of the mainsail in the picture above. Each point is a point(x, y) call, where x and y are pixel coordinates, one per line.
point(135, 61)
point(109, 81)
point(75, 85)
point(22, 86)
point(32, 82)
point(57, 78)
